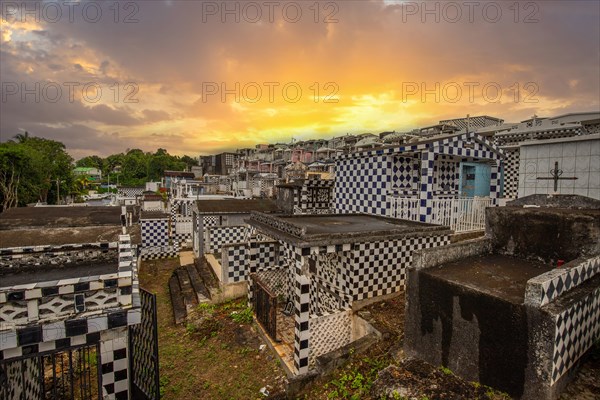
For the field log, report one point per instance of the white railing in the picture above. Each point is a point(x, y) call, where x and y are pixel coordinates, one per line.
point(183, 225)
point(460, 214)
point(404, 208)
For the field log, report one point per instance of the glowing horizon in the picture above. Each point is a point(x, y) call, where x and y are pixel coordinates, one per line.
point(151, 74)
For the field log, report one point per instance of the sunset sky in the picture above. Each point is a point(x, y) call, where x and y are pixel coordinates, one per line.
point(160, 67)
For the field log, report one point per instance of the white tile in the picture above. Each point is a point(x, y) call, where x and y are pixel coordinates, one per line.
point(582, 164)
point(567, 165)
point(595, 148)
point(46, 346)
point(120, 364)
point(594, 193)
point(53, 331)
point(594, 163)
point(97, 324)
point(543, 151)
point(555, 150)
point(544, 167)
point(581, 191)
point(8, 340)
point(570, 149)
point(583, 180)
point(78, 340)
point(583, 149)
point(594, 180)
point(13, 352)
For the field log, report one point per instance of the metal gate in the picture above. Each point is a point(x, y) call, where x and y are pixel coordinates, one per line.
point(69, 374)
point(265, 307)
point(143, 347)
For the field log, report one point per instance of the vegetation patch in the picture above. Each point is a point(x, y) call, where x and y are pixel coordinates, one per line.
point(212, 356)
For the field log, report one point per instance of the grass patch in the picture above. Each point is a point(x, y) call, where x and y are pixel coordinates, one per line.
point(205, 358)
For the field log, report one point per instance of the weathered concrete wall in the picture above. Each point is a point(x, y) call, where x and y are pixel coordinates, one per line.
point(544, 233)
point(285, 199)
point(479, 337)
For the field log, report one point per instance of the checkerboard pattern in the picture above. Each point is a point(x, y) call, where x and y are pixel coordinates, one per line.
point(63, 334)
point(562, 280)
point(315, 195)
point(362, 183)
point(18, 387)
point(329, 332)
point(155, 232)
point(511, 173)
point(576, 330)
point(213, 220)
point(131, 191)
point(364, 180)
point(380, 268)
point(159, 253)
point(446, 175)
point(237, 261)
point(405, 174)
point(220, 235)
point(114, 367)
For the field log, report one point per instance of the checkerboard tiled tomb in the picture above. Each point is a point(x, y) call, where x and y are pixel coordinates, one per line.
point(498, 311)
point(369, 181)
point(157, 240)
point(49, 310)
point(328, 263)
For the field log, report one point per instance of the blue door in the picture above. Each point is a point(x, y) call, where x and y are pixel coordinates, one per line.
point(474, 179)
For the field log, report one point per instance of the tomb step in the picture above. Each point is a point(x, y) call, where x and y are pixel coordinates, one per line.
point(197, 283)
point(189, 296)
point(179, 310)
point(206, 273)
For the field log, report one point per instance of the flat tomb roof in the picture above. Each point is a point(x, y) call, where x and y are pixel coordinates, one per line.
point(343, 223)
point(327, 229)
point(497, 275)
point(51, 273)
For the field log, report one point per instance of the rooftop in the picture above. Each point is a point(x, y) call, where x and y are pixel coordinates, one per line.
point(56, 217)
point(52, 273)
point(51, 236)
point(235, 206)
point(500, 276)
point(330, 229)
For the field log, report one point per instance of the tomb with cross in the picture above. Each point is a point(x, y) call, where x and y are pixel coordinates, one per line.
point(556, 175)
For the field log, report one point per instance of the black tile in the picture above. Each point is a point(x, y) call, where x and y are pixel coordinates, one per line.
point(76, 327)
point(107, 368)
point(121, 375)
point(119, 354)
point(110, 388)
point(124, 395)
point(15, 296)
point(63, 343)
point(92, 338)
point(117, 319)
point(29, 335)
point(82, 287)
point(50, 291)
point(109, 283)
point(31, 349)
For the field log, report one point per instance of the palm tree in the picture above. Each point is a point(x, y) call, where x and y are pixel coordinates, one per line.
point(22, 137)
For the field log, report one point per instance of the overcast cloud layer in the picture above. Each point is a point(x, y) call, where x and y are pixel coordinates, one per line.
point(361, 67)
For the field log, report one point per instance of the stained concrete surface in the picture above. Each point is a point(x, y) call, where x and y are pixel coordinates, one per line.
point(49, 273)
point(498, 275)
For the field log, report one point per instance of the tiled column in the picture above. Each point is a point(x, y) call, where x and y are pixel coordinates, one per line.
point(302, 333)
point(115, 372)
point(496, 169)
point(426, 187)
